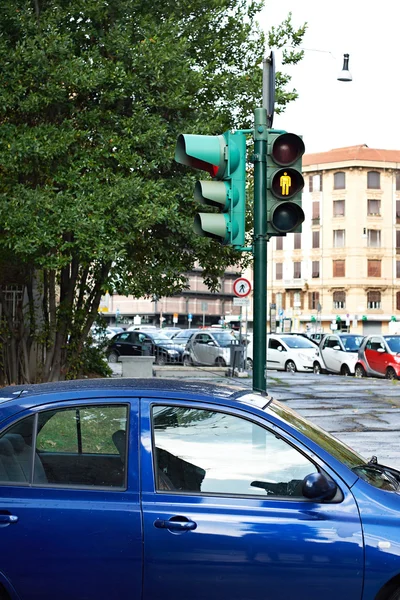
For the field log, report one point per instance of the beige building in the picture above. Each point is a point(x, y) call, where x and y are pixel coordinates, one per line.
point(343, 270)
point(194, 307)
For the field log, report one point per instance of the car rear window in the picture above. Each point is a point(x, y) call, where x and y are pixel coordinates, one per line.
point(297, 342)
point(352, 342)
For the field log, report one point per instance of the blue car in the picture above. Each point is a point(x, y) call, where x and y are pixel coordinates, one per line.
point(159, 490)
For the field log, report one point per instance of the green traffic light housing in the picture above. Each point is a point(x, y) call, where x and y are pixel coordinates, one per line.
point(285, 183)
point(224, 158)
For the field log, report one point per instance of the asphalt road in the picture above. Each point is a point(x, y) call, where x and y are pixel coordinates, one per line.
point(364, 413)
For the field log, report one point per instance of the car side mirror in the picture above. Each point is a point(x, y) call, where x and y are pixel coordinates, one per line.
point(381, 350)
point(280, 348)
point(318, 487)
point(336, 347)
point(211, 343)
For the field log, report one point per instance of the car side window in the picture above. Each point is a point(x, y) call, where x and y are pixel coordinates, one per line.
point(375, 344)
point(124, 337)
point(82, 446)
point(209, 452)
point(16, 453)
point(275, 344)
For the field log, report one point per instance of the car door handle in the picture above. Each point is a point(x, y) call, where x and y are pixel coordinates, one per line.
point(175, 524)
point(8, 519)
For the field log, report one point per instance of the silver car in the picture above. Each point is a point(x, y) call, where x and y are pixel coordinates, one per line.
point(209, 348)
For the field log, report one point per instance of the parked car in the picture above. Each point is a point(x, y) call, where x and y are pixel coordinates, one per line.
point(379, 356)
point(209, 347)
point(316, 337)
point(100, 335)
point(143, 327)
point(136, 479)
point(139, 343)
point(338, 353)
point(287, 353)
point(170, 333)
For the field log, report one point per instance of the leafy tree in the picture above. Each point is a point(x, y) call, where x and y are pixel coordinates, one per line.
point(94, 95)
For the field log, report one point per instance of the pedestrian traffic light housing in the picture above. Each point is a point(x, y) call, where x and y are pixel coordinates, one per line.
point(284, 183)
point(224, 158)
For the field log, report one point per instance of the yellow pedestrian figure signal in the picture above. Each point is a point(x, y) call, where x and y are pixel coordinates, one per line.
point(285, 183)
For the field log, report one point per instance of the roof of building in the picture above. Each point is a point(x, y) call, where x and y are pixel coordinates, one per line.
point(351, 154)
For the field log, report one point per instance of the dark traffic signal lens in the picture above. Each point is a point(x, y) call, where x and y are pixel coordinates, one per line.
point(286, 183)
point(287, 216)
point(287, 148)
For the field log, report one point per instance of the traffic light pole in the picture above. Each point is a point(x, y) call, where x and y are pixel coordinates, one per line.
point(260, 250)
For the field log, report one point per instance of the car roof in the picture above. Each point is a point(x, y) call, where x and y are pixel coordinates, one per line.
point(120, 387)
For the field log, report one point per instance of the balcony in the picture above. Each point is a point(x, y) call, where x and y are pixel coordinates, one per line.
point(294, 284)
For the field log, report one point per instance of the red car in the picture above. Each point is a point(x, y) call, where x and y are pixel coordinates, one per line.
point(379, 356)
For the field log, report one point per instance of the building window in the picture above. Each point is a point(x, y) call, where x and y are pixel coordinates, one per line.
point(315, 239)
point(339, 299)
point(297, 241)
point(373, 180)
point(374, 300)
point(339, 268)
point(374, 208)
point(297, 300)
point(398, 301)
point(397, 241)
point(313, 300)
point(315, 269)
point(315, 213)
point(338, 238)
point(279, 242)
point(315, 183)
point(279, 301)
point(374, 268)
point(279, 270)
point(397, 211)
point(397, 269)
point(297, 270)
point(398, 181)
point(339, 181)
point(338, 208)
point(374, 238)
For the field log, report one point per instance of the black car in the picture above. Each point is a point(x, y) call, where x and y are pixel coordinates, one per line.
point(145, 343)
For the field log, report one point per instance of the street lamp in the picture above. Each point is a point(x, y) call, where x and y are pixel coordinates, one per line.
point(345, 74)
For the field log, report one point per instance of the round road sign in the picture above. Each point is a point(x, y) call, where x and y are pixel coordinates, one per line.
point(241, 287)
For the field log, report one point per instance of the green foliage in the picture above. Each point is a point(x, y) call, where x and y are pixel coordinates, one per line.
point(90, 362)
point(94, 95)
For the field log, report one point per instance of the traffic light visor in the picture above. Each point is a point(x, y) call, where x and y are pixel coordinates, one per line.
point(205, 152)
point(212, 225)
point(286, 216)
point(287, 148)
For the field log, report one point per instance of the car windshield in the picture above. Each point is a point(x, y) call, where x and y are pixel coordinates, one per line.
point(393, 342)
point(159, 337)
point(224, 339)
point(335, 447)
point(293, 341)
point(186, 334)
point(351, 343)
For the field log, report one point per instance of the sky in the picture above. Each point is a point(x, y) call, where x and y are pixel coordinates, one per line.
point(329, 113)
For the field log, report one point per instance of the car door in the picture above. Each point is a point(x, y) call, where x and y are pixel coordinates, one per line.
point(71, 526)
point(329, 354)
point(375, 355)
point(211, 530)
point(203, 353)
point(275, 356)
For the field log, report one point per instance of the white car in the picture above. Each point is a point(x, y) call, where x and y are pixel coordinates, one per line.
point(339, 353)
point(287, 353)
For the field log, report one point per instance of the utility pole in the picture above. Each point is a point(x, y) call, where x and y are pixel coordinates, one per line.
point(260, 250)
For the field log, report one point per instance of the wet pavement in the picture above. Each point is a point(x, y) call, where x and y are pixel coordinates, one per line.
point(364, 413)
